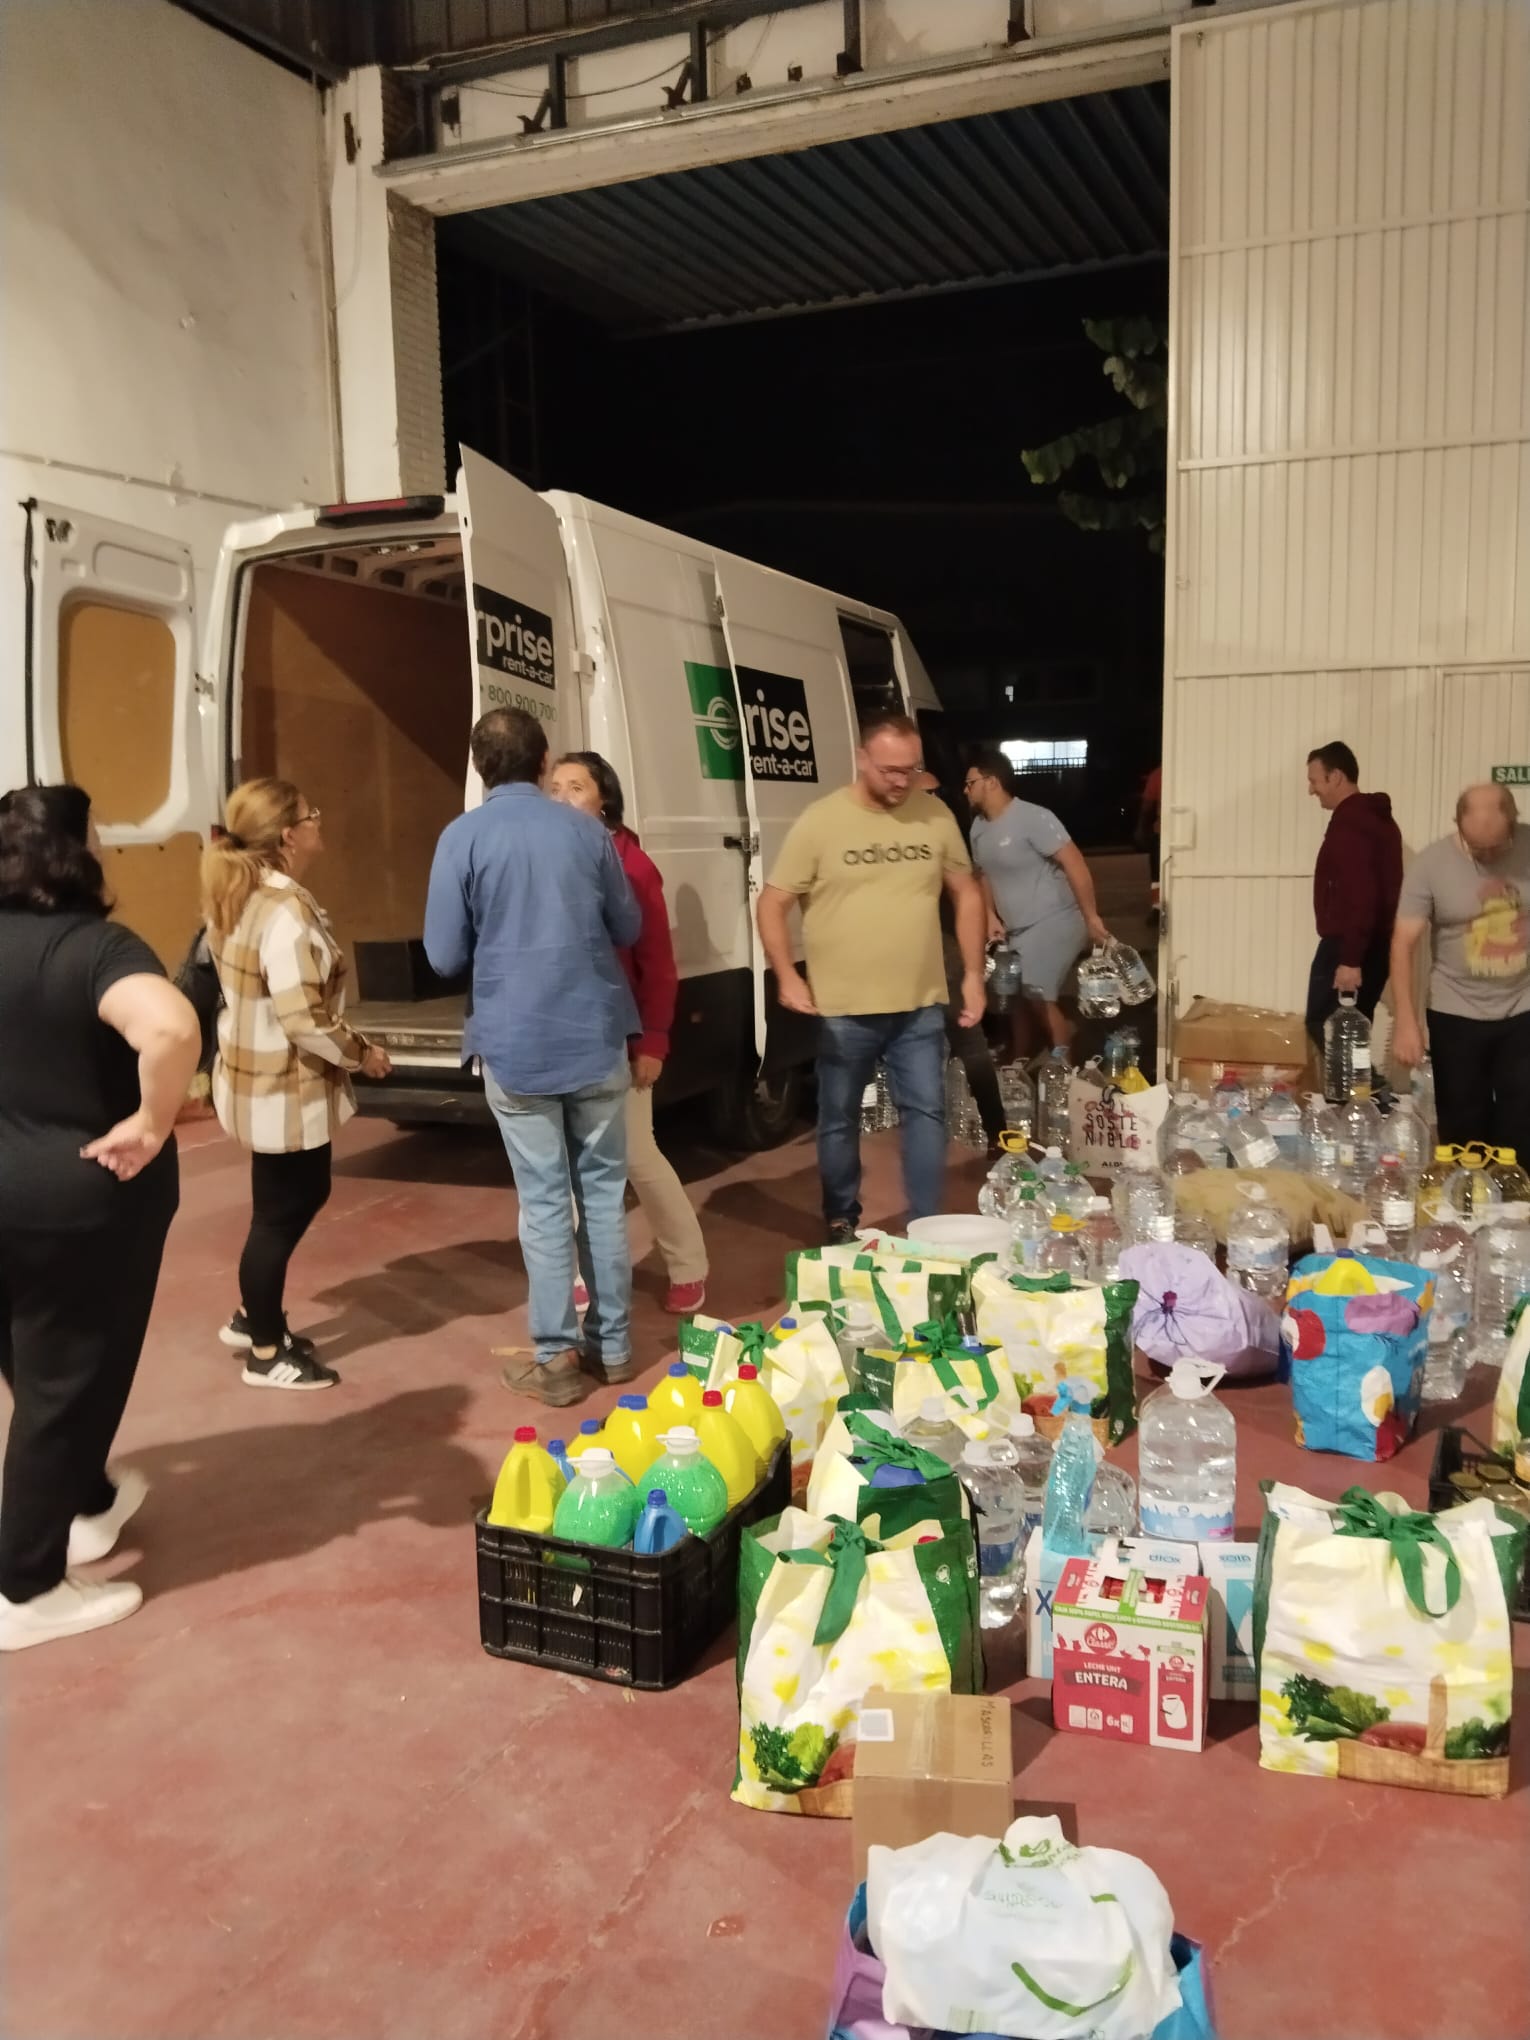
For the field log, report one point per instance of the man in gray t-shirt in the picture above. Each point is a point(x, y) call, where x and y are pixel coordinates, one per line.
point(1470, 892)
point(1039, 893)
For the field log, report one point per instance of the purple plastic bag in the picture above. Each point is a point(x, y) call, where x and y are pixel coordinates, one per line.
point(1184, 1305)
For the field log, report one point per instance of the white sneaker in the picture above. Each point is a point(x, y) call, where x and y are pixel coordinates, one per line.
point(92, 1537)
point(68, 1609)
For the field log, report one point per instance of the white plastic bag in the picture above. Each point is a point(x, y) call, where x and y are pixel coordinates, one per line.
point(1029, 1936)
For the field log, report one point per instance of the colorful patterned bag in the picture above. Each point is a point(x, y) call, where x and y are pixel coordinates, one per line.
point(1054, 1329)
point(1355, 1335)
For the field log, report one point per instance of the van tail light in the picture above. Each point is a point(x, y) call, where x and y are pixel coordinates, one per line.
point(385, 510)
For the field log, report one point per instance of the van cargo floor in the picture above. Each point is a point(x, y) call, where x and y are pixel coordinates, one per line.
point(421, 1019)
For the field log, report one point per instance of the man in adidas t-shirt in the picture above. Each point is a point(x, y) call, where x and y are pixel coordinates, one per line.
point(867, 866)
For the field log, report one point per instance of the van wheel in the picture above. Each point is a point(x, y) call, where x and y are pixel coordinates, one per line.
point(758, 1112)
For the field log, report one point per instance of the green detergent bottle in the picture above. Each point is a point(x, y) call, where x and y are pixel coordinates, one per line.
point(696, 1490)
point(599, 1505)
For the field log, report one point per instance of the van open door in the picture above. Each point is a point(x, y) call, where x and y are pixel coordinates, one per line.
point(794, 712)
point(112, 704)
point(521, 611)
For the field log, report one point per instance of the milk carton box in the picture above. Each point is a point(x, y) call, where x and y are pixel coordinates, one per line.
point(1230, 1569)
point(1043, 1570)
point(1129, 1653)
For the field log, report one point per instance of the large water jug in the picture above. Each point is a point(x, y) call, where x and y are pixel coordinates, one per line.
point(1443, 1249)
point(1052, 1101)
point(1140, 1194)
point(1005, 976)
point(1346, 1052)
point(1282, 1116)
point(1099, 986)
point(1062, 1252)
point(1103, 1243)
point(1502, 1277)
point(1192, 1128)
point(1017, 1094)
point(1229, 1094)
point(1505, 1170)
point(1029, 1231)
point(1249, 1141)
point(1258, 1245)
point(1187, 1458)
point(1403, 1135)
point(1359, 1144)
point(1389, 1201)
point(1137, 981)
point(1320, 1124)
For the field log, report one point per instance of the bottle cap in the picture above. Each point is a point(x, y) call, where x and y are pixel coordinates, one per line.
point(1023, 1425)
point(632, 1402)
point(525, 1434)
point(1161, 1227)
point(678, 1371)
point(681, 1441)
point(748, 1371)
point(590, 1428)
point(786, 1324)
point(598, 1461)
point(1099, 1204)
point(1191, 1379)
point(976, 1452)
point(1508, 1155)
point(711, 1399)
point(657, 1494)
point(557, 1445)
point(933, 1410)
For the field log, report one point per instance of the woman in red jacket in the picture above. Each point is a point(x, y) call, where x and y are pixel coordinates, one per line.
point(584, 780)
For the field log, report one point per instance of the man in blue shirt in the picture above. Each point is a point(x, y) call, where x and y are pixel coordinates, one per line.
point(532, 895)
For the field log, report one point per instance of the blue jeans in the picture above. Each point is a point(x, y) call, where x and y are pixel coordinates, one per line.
point(913, 1046)
point(578, 1141)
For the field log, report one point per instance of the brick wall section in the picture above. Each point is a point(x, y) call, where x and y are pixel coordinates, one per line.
point(416, 348)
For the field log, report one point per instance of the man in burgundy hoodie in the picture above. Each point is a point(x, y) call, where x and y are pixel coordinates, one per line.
point(1354, 887)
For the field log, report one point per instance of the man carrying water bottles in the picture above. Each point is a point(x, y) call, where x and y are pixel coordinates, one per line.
point(867, 866)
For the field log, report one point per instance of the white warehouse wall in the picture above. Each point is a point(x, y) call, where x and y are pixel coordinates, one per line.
point(1349, 495)
point(164, 329)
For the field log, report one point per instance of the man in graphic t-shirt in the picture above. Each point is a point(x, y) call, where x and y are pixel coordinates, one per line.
point(867, 866)
point(1471, 892)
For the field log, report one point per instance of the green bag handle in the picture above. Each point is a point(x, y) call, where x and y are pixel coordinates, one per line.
point(847, 1553)
point(881, 1448)
point(1041, 1285)
point(1522, 1406)
point(942, 1341)
point(752, 1337)
point(1362, 1515)
point(1056, 2004)
point(881, 1301)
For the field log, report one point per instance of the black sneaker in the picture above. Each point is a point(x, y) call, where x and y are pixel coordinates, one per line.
point(841, 1232)
point(289, 1367)
point(237, 1333)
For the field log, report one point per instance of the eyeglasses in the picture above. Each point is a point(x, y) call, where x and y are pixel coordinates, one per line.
point(311, 816)
point(898, 771)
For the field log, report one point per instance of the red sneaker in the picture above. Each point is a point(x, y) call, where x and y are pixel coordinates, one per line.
point(684, 1297)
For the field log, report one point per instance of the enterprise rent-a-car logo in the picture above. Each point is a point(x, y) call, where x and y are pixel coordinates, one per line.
point(514, 638)
point(777, 728)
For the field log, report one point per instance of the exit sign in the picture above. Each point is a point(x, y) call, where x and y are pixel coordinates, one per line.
point(1511, 775)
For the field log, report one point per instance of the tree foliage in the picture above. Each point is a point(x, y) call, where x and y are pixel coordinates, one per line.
point(1129, 450)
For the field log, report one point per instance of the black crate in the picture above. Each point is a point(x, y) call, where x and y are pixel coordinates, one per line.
point(1456, 1450)
point(635, 1618)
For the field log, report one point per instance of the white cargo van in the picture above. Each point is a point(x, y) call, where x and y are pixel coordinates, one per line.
point(351, 648)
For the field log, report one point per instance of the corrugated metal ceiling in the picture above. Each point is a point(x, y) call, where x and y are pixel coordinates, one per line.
point(1035, 191)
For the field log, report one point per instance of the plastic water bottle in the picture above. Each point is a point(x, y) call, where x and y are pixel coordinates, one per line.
point(1099, 986)
point(659, 1526)
point(1033, 1461)
point(1188, 1457)
point(1443, 1250)
point(1322, 1129)
point(1029, 1230)
point(1138, 984)
point(1052, 1129)
point(1102, 1242)
point(1359, 1144)
point(1184, 1229)
point(1390, 1203)
point(858, 1330)
point(1346, 1052)
point(1071, 1477)
point(1282, 1116)
point(1502, 1277)
point(1062, 1253)
point(933, 1431)
point(1402, 1135)
point(1017, 1094)
point(1258, 1245)
point(1249, 1141)
point(1140, 1194)
point(1191, 1136)
point(1073, 1195)
point(1113, 1507)
point(990, 1469)
point(1513, 1183)
point(1229, 1094)
point(1422, 1090)
point(1004, 974)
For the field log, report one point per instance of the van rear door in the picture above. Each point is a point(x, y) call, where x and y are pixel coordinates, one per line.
point(112, 703)
point(521, 609)
point(794, 712)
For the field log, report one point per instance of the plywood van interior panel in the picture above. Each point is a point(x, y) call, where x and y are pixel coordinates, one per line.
point(363, 696)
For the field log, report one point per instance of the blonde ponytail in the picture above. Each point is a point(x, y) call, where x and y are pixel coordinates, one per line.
point(257, 816)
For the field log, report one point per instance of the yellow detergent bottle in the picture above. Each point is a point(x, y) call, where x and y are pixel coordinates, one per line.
point(676, 1398)
point(753, 1406)
point(632, 1434)
point(526, 1493)
point(729, 1447)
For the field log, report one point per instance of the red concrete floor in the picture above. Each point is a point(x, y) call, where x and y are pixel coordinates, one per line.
point(293, 1800)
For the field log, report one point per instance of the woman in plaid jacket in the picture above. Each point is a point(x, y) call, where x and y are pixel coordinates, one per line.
point(282, 1080)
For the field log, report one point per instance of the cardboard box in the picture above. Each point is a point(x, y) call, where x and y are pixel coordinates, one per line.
point(1129, 1654)
point(1230, 1569)
point(1210, 1038)
point(929, 1764)
point(1043, 1570)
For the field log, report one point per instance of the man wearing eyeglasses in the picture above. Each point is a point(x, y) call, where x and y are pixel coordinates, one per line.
point(867, 867)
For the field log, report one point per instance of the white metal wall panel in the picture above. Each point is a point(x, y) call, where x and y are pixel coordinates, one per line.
point(1349, 499)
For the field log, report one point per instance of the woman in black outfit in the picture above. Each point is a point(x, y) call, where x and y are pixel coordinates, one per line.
point(97, 1051)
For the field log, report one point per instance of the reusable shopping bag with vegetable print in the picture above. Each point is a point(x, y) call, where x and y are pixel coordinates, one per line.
point(1356, 1330)
point(1382, 1640)
point(903, 1291)
point(860, 1978)
point(800, 1366)
point(1054, 1329)
point(842, 1482)
point(1511, 1403)
point(825, 1613)
point(970, 1378)
point(1030, 1935)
